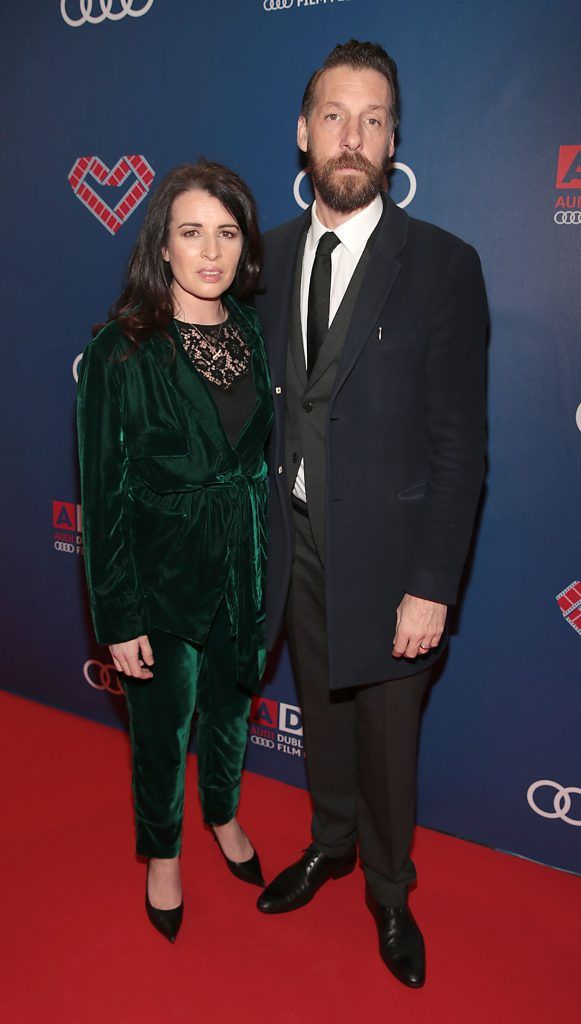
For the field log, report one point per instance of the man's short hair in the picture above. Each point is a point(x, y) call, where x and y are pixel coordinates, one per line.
point(360, 57)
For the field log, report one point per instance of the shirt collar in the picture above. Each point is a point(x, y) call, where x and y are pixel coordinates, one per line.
point(353, 233)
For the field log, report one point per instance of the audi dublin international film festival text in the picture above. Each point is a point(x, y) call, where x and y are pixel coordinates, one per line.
point(67, 526)
point(285, 5)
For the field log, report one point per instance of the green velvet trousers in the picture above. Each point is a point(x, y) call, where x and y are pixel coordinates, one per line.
point(161, 710)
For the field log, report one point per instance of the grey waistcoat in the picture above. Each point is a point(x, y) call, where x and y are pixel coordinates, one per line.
point(307, 401)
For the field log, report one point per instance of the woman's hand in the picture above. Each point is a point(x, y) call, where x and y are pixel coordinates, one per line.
point(132, 657)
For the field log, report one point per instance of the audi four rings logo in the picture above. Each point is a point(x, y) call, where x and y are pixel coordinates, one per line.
point(102, 677)
point(277, 5)
point(395, 165)
point(567, 217)
point(561, 800)
point(104, 11)
point(75, 367)
point(262, 741)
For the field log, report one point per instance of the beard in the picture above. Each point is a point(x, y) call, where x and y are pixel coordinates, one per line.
point(346, 193)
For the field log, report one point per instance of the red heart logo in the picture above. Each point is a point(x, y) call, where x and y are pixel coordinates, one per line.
point(111, 218)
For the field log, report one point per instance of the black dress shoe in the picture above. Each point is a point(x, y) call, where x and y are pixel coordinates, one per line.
point(401, 943)
point(246, 870)
point(297, 884)
point(167, 922)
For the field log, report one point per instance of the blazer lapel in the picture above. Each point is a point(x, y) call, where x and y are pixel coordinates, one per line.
point(297, 347)
point(184, 379)
point(190, 385)
point(260, 417)
point(282, 277)
point(379, 278)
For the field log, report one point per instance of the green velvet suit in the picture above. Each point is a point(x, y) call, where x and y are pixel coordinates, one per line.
point(174, 533)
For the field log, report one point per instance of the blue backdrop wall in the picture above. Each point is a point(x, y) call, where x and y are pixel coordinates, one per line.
point(100, 98)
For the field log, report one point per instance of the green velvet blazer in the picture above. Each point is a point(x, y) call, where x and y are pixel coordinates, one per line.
point(174, 516)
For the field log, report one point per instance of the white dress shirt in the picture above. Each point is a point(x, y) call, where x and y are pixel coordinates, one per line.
point(353, 235)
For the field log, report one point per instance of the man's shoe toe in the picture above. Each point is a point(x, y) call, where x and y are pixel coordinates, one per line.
point(401, 944)
point(297, 884)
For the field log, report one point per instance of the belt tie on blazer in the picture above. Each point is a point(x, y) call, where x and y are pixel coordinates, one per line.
point(244, 585)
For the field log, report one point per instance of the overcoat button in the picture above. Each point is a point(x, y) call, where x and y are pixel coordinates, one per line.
point(307, 406)
point(278, 391)
point(280, 469)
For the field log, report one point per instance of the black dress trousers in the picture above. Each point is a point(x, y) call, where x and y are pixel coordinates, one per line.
point(361, 744)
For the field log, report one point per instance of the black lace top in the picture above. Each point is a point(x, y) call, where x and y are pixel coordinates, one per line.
point(220, 355)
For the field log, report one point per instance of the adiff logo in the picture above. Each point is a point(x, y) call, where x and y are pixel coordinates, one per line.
point(568, 183)
point(569, 167)
point(68, 527)
point(274, 714)
point(92, 166)
point(569, 601)
point(66, 516)
point(277, 726)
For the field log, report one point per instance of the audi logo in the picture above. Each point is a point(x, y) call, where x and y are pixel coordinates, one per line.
point(61, 545)
point(75, 366)
point(104, 11)
point(277, 5)
point(396, 166)
point(413, 182)
point(102, 677)
point(261, 741)
point(561, 800)
point(567, 217)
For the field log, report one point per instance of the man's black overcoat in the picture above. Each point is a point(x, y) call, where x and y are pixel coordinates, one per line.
point(405, 438)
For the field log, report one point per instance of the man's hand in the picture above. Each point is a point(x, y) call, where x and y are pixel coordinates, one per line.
point(419, 628)
point(132, 656)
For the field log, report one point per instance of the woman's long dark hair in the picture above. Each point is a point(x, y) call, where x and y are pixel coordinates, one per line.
point(146, 302)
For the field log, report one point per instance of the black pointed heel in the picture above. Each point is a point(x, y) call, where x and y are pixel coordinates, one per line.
point(245, 870)
point(167, 922)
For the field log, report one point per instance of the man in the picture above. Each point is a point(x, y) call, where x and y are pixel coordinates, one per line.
point(375, 324)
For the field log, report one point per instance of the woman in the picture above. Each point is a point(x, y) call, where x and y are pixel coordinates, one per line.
point(174, 409)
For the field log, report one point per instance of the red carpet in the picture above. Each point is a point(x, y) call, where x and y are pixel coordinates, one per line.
point(502, 934)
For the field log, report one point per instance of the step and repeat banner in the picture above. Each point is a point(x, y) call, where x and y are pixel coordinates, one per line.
point(101, 98)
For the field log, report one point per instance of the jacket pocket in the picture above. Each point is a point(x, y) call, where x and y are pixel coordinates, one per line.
point(157, 535)
point(417, 491)
point(166, 444)
point(392, 340)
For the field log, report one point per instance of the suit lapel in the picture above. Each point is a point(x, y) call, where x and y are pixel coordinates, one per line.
point(297, 347)
point(333, 344)
point(281, 275)
point(379, 278)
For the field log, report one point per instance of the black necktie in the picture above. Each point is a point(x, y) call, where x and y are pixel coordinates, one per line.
point(319, 290)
